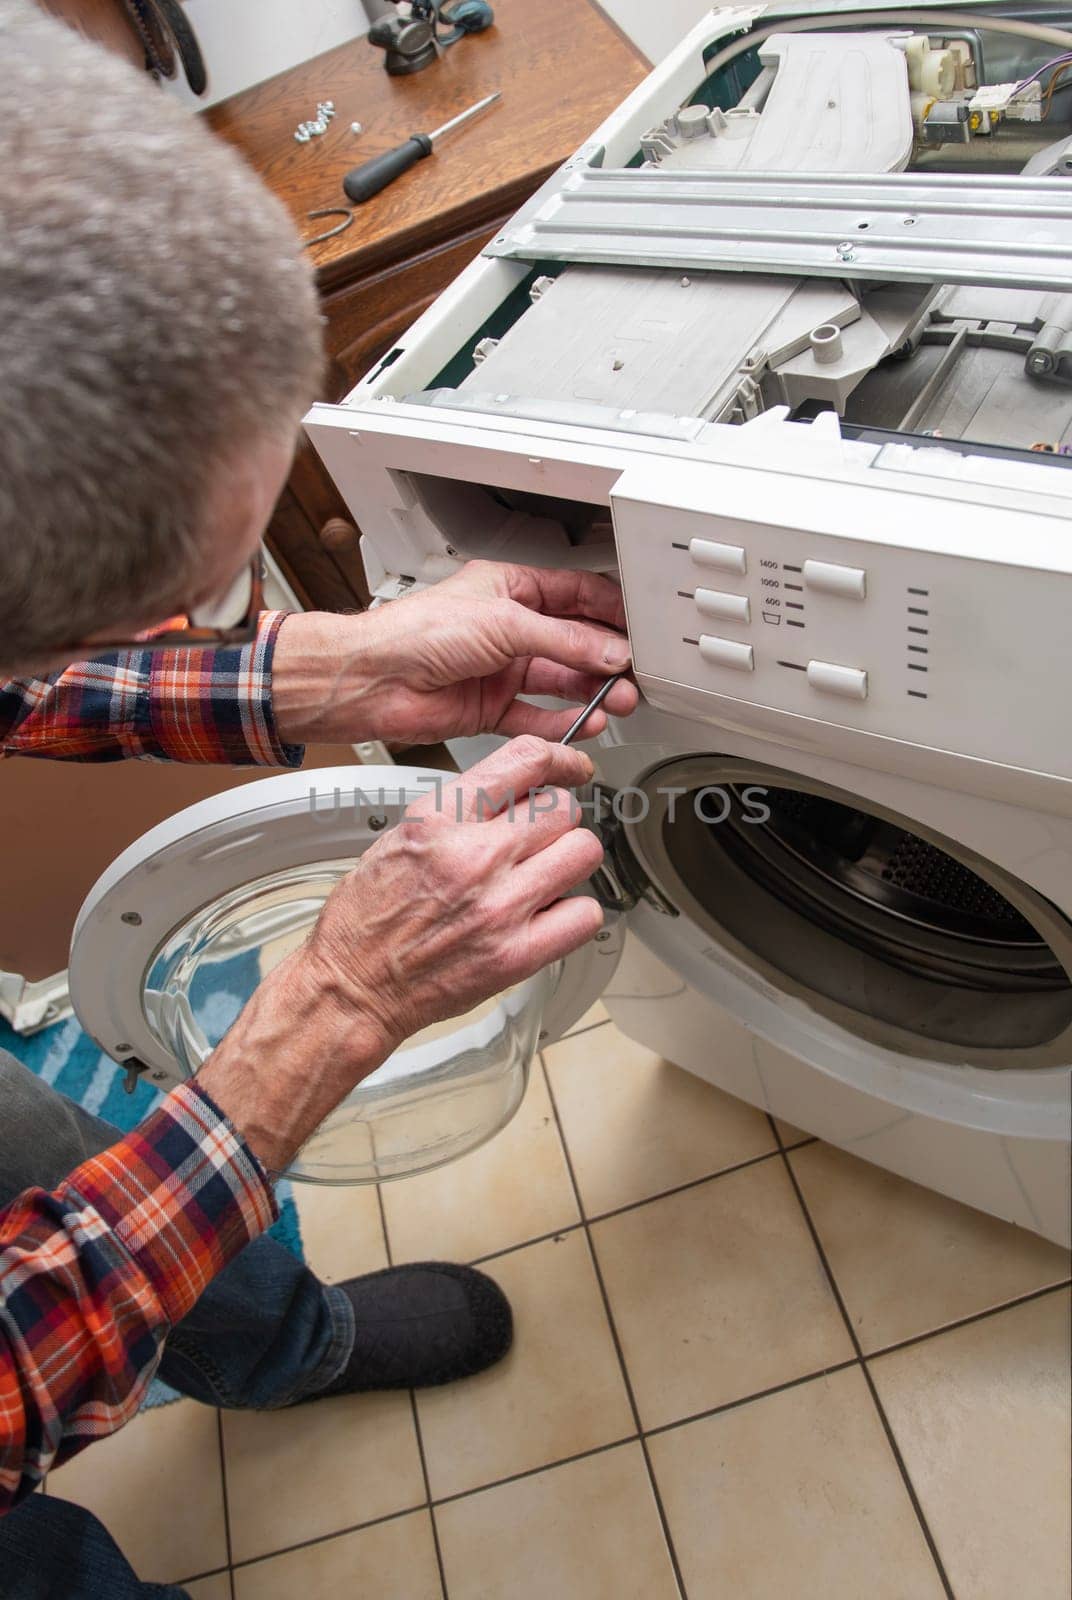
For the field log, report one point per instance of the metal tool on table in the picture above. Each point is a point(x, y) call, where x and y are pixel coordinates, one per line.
point(593, 705)
point(417, 36)
point(371, 177)
point(329, 233)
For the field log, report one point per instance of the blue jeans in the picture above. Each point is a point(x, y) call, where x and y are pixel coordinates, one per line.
point(265, 1333)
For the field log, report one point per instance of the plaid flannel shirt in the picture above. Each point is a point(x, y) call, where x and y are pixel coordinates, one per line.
point(166, 705)
point(93, 1275)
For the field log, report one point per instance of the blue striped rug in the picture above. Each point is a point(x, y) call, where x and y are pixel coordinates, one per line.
point(68, 1059)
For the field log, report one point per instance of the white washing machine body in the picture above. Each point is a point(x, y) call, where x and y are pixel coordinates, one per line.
point(775, 354)
point(994, 1137)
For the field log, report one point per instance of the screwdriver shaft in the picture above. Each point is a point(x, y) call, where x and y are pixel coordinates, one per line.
point(464, 116)
point(593, 705)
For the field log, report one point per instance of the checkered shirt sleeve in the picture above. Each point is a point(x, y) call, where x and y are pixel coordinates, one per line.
point(168, 705)
point(94, 1274)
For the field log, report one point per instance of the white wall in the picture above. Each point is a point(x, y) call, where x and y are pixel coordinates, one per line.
point(655, 26)
point(245, 41)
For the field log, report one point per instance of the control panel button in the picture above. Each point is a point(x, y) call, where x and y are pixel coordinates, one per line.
point(850, 583)
point(727, 653)
point(849, 682)
point(726, 557)
point(713, 603)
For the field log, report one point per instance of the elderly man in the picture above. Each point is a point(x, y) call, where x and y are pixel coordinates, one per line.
point(158, 345)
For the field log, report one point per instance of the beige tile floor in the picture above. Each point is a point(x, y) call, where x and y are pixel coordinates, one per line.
point(746, 1364)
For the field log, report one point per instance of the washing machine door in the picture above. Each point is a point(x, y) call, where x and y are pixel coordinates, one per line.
point(174, 937)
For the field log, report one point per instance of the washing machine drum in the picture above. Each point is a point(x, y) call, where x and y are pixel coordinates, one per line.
point(175, 936)
point(904, 937)
point(868, 881)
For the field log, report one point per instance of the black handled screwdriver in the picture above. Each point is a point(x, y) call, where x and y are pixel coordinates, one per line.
point(372, 177)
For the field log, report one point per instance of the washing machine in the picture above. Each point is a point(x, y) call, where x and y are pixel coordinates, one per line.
point(785, 348)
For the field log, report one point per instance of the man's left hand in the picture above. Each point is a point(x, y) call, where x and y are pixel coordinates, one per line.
point(454, 659)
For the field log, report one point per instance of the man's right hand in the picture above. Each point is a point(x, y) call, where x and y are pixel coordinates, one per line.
point(462, 899)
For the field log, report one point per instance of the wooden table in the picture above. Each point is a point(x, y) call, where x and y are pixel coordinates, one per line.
point(561, 66)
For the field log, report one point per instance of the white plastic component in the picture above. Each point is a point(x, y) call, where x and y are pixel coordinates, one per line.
point(838, 103)
point(629, 339)
point(739, 122)
point(726, 557)
point(1025, 106)
point(829, 678)
point(692, 122)
point(828, 577)
point(727, 653)
point(715, 603)
point(930, 72)
point(826, 343)
point(938, 74)
point(984, 590)
point(992, 97)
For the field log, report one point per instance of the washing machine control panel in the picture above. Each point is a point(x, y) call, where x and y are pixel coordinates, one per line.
point(936, 621)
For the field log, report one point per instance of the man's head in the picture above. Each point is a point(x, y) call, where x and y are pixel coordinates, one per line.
point(159, 341)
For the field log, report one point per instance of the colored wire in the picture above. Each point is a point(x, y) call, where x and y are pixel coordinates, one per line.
point(1048, 96)
point(1058, 61)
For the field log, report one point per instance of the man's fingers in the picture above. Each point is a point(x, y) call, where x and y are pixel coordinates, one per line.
point(557, 591)
point(507, 775)
point(551, 725)
point(561, 593)
point(563, 865)
point(538, 819)
point(564, 683)
point(569, 643)
point(563, 928)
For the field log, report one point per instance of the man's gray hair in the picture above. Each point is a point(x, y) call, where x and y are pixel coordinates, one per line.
point(156, 319)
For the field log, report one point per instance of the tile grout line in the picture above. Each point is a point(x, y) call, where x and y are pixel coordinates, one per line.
point(902, 1468)
point(656, 1494)
point(226, 1505)
point(966, 1322)
point(631, 1205)
point(946, 1327)
point(526, 1244)
point(322, 1538)
point(199, 1577)
point(640, 1436)
point(575, 1033)
point(383, 1225)
point(633, 1438)
point(416, 1421)
point(428, 1495)
point(662, 1428)
point(533, 1472)
point(747, 1399)
point(680, 1188)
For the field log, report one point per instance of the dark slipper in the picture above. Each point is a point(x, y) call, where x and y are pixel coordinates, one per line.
point(423, 1325)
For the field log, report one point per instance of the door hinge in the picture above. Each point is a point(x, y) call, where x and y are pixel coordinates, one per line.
point(621, 882)
point(133, 1069)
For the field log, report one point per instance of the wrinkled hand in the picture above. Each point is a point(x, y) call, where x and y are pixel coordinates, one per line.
point(438, 915)
point(443, 913)
point(452, 660)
